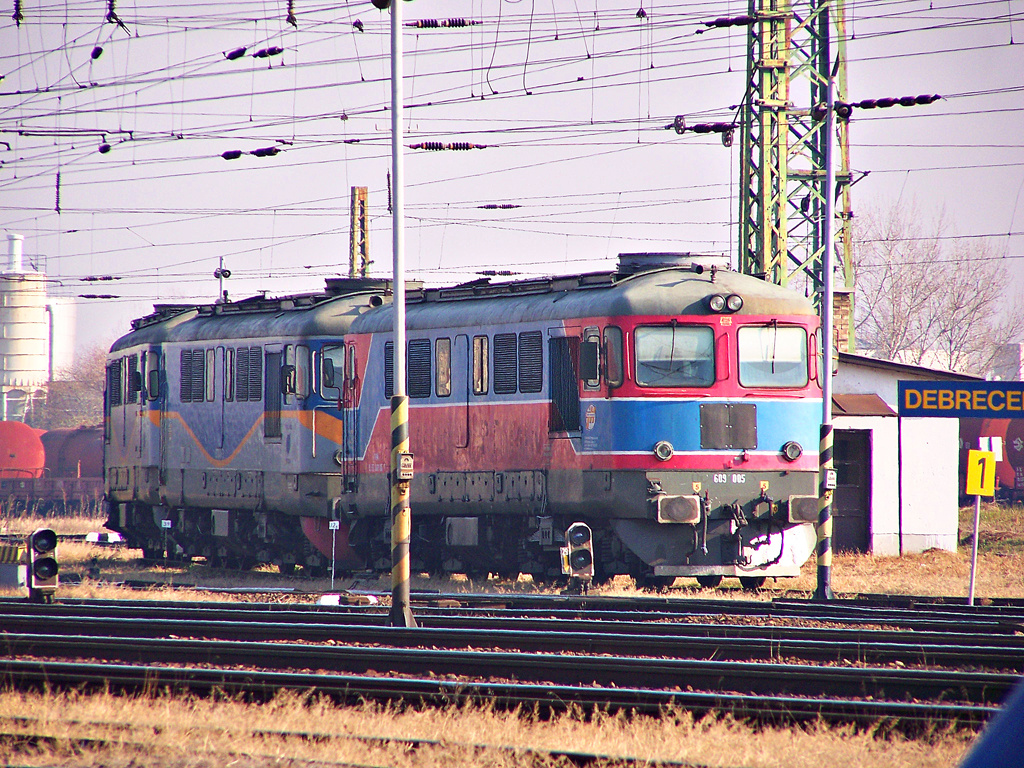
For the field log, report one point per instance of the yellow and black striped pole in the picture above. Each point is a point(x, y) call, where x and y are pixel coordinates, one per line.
point(401, 514)
point(823, 530)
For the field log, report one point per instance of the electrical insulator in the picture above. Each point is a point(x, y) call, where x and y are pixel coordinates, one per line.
point(843, 109)
point(96, 52)
point(265, 152)
point(263, 53)
point(235, 54)
point(439, 23)
point(436, 146)
point(499, 206)
point(724, 21)
point(232, 154)
point(104, 148)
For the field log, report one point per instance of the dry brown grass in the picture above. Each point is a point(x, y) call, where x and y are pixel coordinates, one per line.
point(293, 730)
point(194, 733)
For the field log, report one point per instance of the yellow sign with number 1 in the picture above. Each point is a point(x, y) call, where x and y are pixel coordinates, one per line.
point(981, 473)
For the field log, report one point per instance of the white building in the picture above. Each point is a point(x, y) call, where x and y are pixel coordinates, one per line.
point(898, 477)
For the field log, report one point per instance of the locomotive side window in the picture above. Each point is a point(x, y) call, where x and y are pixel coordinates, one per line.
point(506, 373)
point(480, 365)
point(211, 379)
point(772, 356)
point(332, 371)
point(152, 375)
point(302, 370)
point(613, 356)
point(675, 356)
point(229, 374)
point(590, 359)
point(443, 367)
point(419, 368)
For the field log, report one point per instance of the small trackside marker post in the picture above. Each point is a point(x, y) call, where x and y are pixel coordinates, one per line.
point(823, 530)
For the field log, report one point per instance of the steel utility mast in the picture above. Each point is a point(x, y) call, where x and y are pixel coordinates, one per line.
point(782, 166)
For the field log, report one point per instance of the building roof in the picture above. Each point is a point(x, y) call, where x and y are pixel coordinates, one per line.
point(860, 405)
point(919, 372)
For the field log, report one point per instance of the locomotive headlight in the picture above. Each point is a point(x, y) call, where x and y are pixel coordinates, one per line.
point(716, 302)
point(663, 450)
point(792, 451)
point(734, 302)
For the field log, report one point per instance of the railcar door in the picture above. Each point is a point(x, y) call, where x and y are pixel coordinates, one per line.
point(563, 384)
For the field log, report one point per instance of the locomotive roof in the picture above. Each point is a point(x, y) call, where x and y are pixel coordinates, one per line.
point(666, 291)
point(356, 304)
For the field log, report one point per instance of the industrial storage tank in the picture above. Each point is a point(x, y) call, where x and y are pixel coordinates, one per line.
point(22, 454)
point(24, 335)
point(74, 452)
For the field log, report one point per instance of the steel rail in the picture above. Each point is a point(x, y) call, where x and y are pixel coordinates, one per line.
point(907, 620)
point(713, 641)
point(774, 679)
point(980, 632)
point(547, 697)
point(900, 609)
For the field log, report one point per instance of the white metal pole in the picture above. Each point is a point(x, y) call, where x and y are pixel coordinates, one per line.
point(974, 548)
point(398, 195)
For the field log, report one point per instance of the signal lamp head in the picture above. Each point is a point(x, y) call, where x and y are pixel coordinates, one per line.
point(579, 535)
point(45, 568)
point(716, 302)
point(580, 558)
point(734, 302)
point(44, 540)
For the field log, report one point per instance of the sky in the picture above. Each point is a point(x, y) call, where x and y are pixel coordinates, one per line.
point(115, 118)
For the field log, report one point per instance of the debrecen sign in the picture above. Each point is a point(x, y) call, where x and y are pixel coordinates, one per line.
point(977, 399)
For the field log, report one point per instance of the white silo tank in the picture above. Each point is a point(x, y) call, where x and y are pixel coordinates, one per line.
point(24, 337)
point(62, 315)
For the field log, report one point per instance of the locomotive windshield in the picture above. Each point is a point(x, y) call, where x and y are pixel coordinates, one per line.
point(772, 356)
point(675, 356)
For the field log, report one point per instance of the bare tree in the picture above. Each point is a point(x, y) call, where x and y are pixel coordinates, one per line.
point(75, 398)
point(925, 297)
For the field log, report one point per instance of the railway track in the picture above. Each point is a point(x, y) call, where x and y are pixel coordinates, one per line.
point(686, 640)
point(777, 672)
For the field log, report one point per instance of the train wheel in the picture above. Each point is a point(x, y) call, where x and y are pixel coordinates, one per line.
point(652, 583)
point(752, 583)
point(710, 582)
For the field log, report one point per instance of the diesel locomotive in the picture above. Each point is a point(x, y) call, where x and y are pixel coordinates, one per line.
point(672, 406)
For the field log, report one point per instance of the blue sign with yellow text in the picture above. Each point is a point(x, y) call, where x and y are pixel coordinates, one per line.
point(958, 399)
